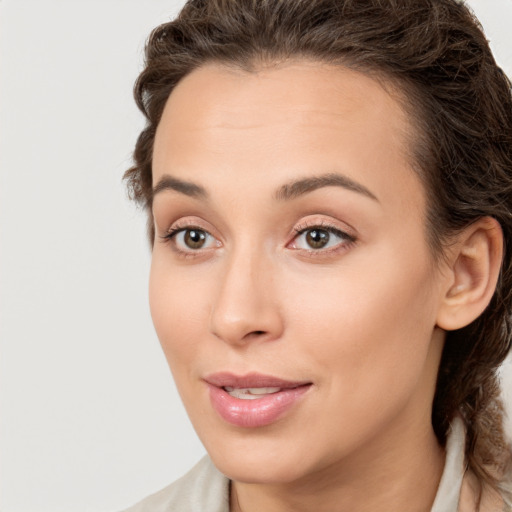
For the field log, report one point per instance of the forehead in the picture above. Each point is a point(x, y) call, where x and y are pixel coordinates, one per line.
point(279, 121)
point(215, 95)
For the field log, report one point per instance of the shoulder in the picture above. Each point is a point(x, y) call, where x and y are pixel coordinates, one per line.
point(202, 489)
point(459, 489)
point(476, 496)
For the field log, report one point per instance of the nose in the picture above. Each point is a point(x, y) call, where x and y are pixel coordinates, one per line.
point(246, 307)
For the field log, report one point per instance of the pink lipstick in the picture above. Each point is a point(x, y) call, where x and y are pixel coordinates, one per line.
point(253, 400)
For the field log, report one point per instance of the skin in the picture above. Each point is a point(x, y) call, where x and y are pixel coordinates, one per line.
point(359, 319)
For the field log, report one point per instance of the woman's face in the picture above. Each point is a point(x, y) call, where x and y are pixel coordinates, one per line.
point(291, 258)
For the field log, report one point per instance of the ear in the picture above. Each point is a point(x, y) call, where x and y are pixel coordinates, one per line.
point(474, 262)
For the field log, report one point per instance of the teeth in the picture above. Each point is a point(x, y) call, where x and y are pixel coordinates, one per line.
point(250, 393)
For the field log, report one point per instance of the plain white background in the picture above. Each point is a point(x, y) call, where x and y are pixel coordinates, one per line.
point(90, 420)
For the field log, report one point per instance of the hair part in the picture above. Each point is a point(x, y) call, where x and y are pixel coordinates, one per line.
point(458, 100)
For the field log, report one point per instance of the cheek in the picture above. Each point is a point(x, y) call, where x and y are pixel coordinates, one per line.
point(367, 322)
point(177, 311)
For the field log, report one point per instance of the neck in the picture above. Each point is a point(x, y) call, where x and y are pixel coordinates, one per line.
point(385, 477)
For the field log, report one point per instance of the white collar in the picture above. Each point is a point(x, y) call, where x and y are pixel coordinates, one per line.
point(448, 492)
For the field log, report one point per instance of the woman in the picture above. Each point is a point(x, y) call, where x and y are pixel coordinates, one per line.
point(329, 192)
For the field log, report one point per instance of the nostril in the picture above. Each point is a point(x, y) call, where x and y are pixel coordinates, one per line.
point(254, 334)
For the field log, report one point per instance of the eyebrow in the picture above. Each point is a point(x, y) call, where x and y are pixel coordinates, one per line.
point(188, 188)
point(286, 192)
point(300, 187)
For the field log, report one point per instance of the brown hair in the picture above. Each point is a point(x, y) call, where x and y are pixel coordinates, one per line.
point(460, 102)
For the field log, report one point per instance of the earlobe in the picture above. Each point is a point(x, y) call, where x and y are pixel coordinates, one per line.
point(474, 265)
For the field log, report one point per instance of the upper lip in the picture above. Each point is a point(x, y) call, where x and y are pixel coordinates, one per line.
point(251, 380)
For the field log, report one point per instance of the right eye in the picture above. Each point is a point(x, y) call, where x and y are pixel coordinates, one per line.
point(191, 239)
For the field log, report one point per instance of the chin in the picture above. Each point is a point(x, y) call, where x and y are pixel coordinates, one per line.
point(258, 459)
point(259, 470)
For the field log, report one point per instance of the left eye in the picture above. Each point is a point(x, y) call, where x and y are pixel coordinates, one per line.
point(317, 238)
point(193, 239)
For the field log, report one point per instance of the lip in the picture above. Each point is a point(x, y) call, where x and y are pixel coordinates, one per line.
point(253, 413)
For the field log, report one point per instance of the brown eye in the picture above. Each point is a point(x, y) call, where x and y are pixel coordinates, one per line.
point(321, 239)
point(191, 239)
point(317, 238)
point(194, 238)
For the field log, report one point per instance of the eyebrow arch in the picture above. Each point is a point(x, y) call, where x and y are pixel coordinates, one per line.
point(168, 182)
point(286, 192)
point(300, 187)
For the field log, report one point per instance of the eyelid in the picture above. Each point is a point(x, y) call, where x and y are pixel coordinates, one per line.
point(346, 234)
point(190, 222)
point(328, 224)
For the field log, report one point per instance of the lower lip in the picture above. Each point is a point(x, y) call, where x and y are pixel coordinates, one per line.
point(258, 412)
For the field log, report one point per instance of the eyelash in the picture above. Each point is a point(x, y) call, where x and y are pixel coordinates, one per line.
point(173, 231)
point(177, 229)
point(347, 239)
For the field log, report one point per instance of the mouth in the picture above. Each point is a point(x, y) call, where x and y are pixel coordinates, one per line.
point(250, 393)
point(253, 400)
